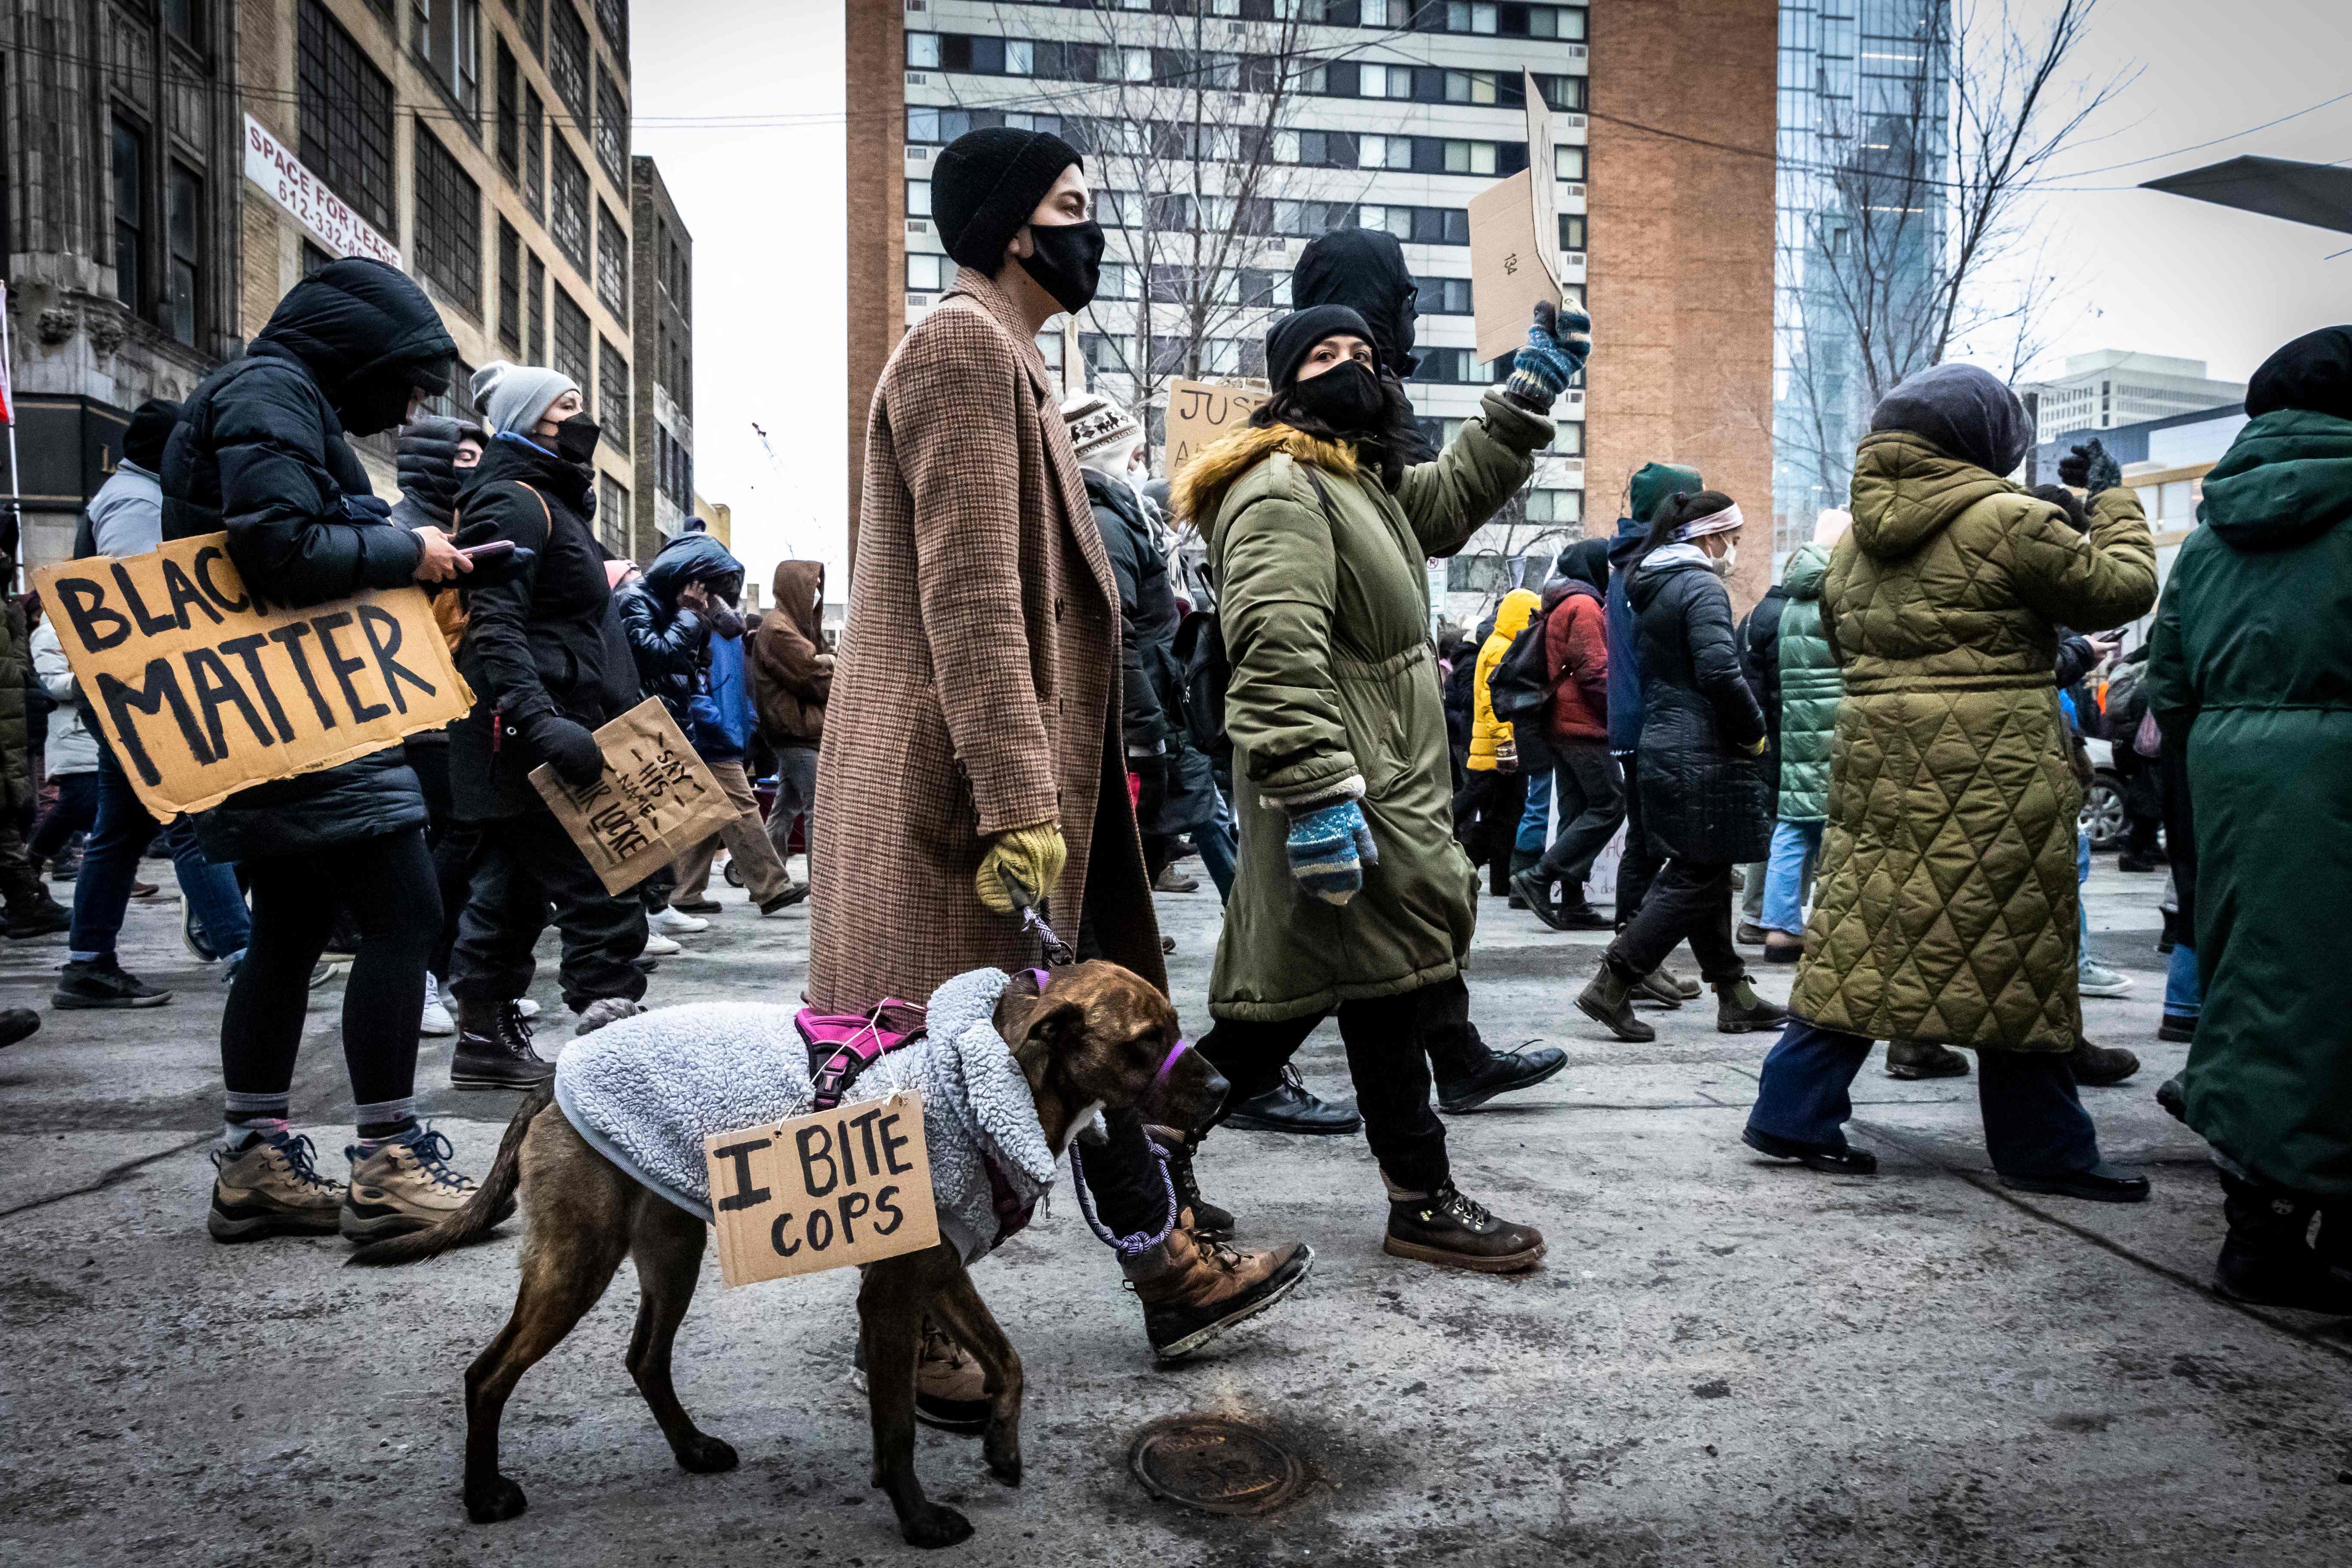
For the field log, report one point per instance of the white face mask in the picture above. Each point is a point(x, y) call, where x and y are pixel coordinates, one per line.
point(1726, 560)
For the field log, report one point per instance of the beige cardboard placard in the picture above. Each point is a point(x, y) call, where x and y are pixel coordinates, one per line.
point(1201, 411)
point(1515, 241)
point(202, 689)
point(844, 1187)
point(655, 802)
point(1543, 184)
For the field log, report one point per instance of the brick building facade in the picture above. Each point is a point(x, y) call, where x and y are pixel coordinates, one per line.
point(663, 284)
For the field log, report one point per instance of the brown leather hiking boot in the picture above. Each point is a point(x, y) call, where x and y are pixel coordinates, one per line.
point(950, 1391)
point(267, 1187)
point(2099, 1065)
point(1609, 1001)
point(402, 1185)
point(1194, 1289)
point(1446, 1228)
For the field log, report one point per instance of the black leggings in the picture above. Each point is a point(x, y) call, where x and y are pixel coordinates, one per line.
point(387, 882)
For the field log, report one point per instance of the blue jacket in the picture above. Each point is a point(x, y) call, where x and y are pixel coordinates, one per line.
point(722, 710)
point(1624, 646)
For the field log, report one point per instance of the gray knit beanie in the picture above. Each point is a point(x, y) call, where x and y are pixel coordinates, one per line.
point(511, 397)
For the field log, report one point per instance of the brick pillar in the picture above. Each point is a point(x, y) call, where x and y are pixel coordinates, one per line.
point(1680, 271)
point(876, 97)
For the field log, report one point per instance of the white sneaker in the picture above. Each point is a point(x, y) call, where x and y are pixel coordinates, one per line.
point(437, 1021)
point(2098, 980)
point(527, 1007)
point(678, 922)
point(660, 946)
point(606, 1010)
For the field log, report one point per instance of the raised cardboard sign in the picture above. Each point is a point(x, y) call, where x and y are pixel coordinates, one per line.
point(844, 1187)
point(202, 689)
point(1201, 411)
point(655, 802)
point(1515, 241)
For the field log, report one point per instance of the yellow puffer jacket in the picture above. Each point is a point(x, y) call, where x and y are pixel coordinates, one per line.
point(1487, 731)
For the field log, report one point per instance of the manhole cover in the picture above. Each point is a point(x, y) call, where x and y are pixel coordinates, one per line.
point(1217, 1465)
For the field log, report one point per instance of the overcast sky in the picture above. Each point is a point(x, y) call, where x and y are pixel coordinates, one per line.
point(741, 103)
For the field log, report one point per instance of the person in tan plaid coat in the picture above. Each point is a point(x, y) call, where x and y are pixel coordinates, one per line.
point(973, 735)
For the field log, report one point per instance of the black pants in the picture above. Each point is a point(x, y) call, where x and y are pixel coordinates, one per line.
point(1689, 899)
point(2143, 793)
point(1589, 793)
point(1639, 865)
point(387, 884)
point(524, 864)
point(1486, 811)
point(1387, 1040)
point(76, 812)
point(452, 842)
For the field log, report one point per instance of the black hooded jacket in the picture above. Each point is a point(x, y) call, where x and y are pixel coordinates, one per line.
point(1703, 796)
point(260, 451)
point(667, 640)
point(539, 642)
point(426, 462)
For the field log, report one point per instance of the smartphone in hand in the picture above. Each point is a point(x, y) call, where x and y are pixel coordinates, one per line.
point(496, 550)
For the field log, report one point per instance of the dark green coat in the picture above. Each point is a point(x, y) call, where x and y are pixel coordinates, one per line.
point(1326, 621)
point(1810, 687)
point(2252, 667)
point(1948, 903)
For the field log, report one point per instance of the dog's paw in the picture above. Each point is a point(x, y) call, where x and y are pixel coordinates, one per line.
point(500, 1500)
point(937, 1525)
point(1001, 1450)
point(706, 1455)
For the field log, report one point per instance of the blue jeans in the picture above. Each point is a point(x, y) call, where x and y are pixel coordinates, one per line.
point(1795, 847)
point(1215, 841)
point(2034, 1123)
point(2081, 910)
point(110, 864)
point(1535, 822)
point(2183, 997)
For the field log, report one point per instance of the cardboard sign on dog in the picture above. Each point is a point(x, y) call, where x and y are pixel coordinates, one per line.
point(844, 1187)
point(1201, 411)
point(655, 802)
point(202, 689)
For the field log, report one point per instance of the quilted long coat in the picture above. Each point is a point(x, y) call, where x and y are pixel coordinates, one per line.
point(1810, 687)
point(1947, 901)
point(978, 683)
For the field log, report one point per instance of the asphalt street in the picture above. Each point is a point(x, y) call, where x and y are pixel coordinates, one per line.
point(1723, 1361)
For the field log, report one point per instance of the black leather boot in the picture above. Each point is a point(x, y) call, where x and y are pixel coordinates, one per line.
point(1446, 1228)
point(2267, 1259)
point(1290, 1107)
point(1739, 1011)
point(494, 1048)
point(1503, 1071)
point(1609, 1001)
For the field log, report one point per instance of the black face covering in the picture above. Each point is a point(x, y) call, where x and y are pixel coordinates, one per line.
point(1348, 396)
point(374, 406)
point(575, 438)
point(1068, 263)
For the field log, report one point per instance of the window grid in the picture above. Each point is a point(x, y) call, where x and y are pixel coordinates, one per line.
point(344, 104)
point(130, 154)
point(568, 206)
point(567, 59)
point(611, 128)
point(534, 153)
point(448, 223)
point(535, 309)
point(575, 356)
point(510, 295)
point(611, 262)
point(183, 229)
point(613, 394)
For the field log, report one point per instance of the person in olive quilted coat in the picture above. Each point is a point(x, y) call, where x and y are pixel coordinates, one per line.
point(1948, 902)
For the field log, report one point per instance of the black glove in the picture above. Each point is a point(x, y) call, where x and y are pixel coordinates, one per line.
point(2089, 468)
point(570, 749)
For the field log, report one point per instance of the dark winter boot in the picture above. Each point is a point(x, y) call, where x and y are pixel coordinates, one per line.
point(1503, 1072)
point(1609, 1001)
point(1448, 1230)
point(1739, 1011)
point(494, 1048)
point(38, 916)
point(2265, 1259)
point(1924, 1058)
point(2099, 1065)
point(1194, 1212)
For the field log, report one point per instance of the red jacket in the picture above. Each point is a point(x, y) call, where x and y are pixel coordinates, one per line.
point(1576, 651)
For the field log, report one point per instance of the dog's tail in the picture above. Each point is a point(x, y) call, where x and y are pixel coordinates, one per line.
point(492, 1202)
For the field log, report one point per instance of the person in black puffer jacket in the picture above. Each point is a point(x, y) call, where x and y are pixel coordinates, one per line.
point(667, 614)
point(546, 661)
point(260, 451)
point(1701, 780)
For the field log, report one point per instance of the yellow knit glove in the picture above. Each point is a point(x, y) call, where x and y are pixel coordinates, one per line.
point(1031, 856)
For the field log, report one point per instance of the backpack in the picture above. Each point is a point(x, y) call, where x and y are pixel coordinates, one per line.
point(1204, 672)
point(1520, 688)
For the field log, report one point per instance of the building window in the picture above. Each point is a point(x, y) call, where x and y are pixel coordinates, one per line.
point(448, 224)
point(184, 226)
point(573, 356)
point(611, 262)
point(612, 513)
point(448, 37)
point(919, 198)
point(611, 128)
point(928, 272)
point(534, 151)
point(313, 259)
point(535, 309)
point(1570, 163)
point(129, 213)
point(531, 15)
point(1571, 232)
point(184, 20)
point(1443, 296)
point(567, 59)
point(613, 396)
point(510, 90)
point(511, 327)
point(568, 219)
point(345, 107)
point(612, 16)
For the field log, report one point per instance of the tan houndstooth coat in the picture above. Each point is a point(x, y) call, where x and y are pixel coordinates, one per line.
point(978, 686)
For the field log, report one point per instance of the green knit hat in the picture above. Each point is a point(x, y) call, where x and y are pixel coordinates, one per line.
point(1654, 482)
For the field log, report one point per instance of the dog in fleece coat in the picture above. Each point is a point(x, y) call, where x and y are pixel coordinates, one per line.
point(608, 1176)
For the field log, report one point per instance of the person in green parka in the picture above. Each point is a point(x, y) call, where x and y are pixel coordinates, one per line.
point(2250, 672)
point(1808, 687)
point(1352, 896)
point(1946, 910)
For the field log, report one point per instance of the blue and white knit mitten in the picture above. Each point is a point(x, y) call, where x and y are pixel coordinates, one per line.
point(1559, 342)
point(1330, 848)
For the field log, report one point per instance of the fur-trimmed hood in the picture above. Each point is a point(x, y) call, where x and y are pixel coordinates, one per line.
point(1201, 485)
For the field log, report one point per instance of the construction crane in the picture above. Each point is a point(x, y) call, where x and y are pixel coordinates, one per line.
point(790, 554)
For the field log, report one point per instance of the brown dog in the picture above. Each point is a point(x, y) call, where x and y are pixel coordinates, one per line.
point(1098, 1037)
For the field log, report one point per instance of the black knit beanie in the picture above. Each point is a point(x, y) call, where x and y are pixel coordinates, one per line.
point(1291, 339)
point(985, 186)
point(2314, 373)
point(151, 426)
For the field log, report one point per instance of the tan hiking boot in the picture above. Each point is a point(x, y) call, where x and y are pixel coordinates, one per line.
point(950, 1391)
point(402, 1186)
point(267, 1187)
point(1194, 1289)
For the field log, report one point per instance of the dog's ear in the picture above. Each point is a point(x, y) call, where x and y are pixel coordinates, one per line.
point(1015, 1004)
point(1048, 1024)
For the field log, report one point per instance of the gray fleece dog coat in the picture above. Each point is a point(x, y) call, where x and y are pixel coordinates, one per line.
point(647, 1091)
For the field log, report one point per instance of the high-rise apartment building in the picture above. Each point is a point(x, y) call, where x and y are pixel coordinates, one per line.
point(664, 367)
point(1221, 137)
point(2109, 387)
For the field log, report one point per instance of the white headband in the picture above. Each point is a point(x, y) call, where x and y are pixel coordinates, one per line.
point(1722, 521)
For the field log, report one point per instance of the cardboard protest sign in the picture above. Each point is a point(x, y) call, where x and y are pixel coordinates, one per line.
point(1515, 241)
point(655, 802)
point(203, 690)
point(841, 1187)
point(1201, 411)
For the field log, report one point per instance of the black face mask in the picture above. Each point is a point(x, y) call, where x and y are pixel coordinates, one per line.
point(374, 407)
point(1068, 263)
point(1346, 397)
point(575, 438)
